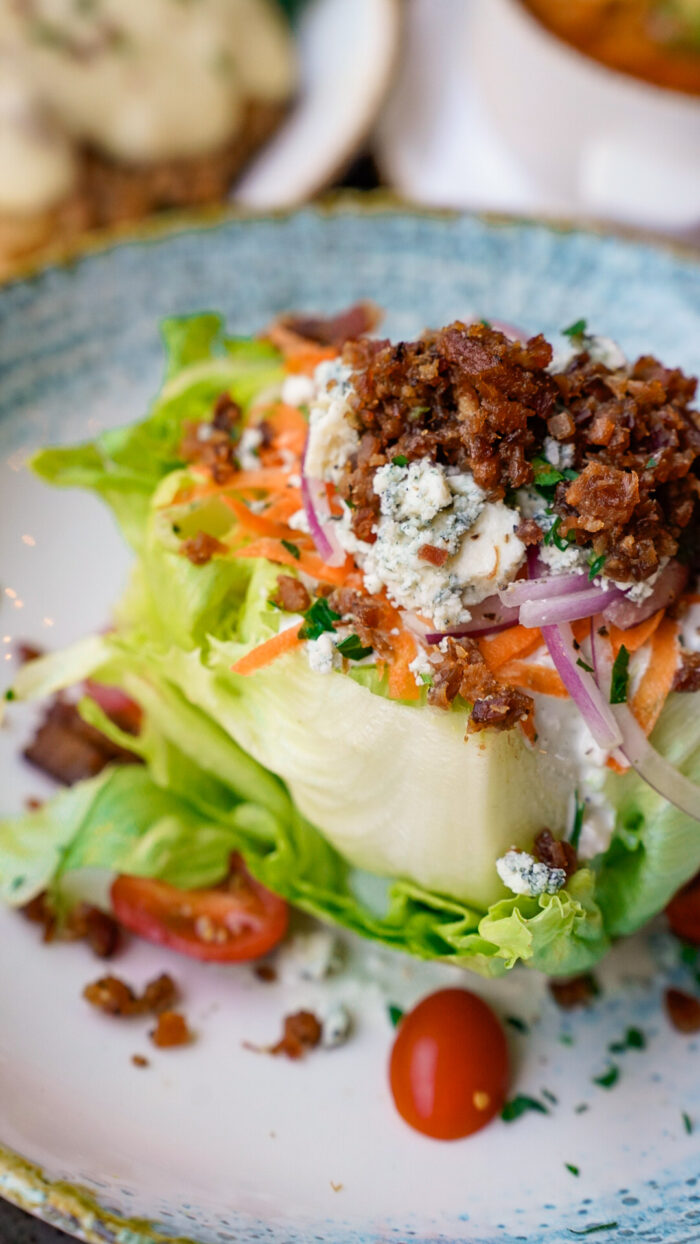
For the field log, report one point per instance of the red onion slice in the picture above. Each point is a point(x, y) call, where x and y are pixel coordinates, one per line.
point(314, 498)
point(524, 590)
point(582, 687)
point(487, 617)
point(568, 608)
point(635, 748)
point(668, 587)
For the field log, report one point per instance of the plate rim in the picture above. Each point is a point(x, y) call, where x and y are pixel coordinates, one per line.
point(61, 1203)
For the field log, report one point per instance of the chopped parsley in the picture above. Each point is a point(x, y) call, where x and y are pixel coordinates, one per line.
point(584, 665)
point(578, 821)
point(573, 1169)
point(596, 566)
point(619, 681)
point(689, 955)
point(520, 1105)
point(566, 1038)
point(609, 1078)
point(650, 463)
point(550, 1097)
point(400, 460)
point(319, 618)
point(687, 1123)
point(560, 542)
point(416, 412)
point(485, 323)
point(9, 694)
point(597, 1226)
point(517, 1023)
point(292, 548)
point(426, 679)
point(395, 1015)
point(633, 1039)
point(353, 648)
point(579, 329)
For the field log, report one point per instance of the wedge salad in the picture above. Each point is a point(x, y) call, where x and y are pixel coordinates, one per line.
point(411, 634)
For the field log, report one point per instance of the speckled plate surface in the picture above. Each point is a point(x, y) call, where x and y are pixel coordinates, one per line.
point(214, 1143)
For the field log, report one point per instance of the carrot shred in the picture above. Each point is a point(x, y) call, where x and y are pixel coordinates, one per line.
point(527, 725)
point(304, 360)
point(258, 524)
point(402, 684)
point(657, 681)
point(636, 636)
point(581, 629)
point(539, 678)
point(274, 551)
point(287, 503)
point(289, 427)
point(517, 641)
point(615, 765)
point(691, 598)
point(268, 651)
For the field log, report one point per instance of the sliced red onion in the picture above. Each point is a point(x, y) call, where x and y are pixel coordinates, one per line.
point(625, 613)
point(524, 590)
point(582, 687)
point(314, 497)
point(488, 616)
point(635, 748)
point(569, 608)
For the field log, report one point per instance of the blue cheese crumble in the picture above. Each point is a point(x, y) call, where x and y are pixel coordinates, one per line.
point(332, 437)
point(523, 874)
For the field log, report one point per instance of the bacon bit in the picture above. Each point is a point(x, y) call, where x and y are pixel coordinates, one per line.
point(201, 548)
point(139, 1061)
point(171, 1030)
point(463, 671)
point(575, 991)
point(529, 531)
point(97, 928)
point(32, 804)
point(265, 972)
point(39, 911)
point(210, 444)
point(69, 749)
point(290, 331)
point(555, 853)
point(302, 1032)
point(291, 595)
point(115, 997)
point(683, 1010)
point(688, 674)
point(28, 652)
point(435, 556)
point(603, 497)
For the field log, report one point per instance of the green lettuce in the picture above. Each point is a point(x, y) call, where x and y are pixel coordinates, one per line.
point(321, 781)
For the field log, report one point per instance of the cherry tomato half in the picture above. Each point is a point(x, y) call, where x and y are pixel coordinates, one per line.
point(238, 920)
point(449, 1065)
point(684, 913)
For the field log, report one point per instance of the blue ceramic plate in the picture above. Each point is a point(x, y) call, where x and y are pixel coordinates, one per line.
point(214, 1143)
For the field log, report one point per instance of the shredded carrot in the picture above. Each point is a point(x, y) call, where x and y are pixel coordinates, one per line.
point(268, 652)
point(402, 684)
point(304, 360)
point(636, 636)
point(287, 503)
point(691, 598)
point(657, 681)
point(581, 629)
point(258, 524)
point(289, 427)
point(527, 725)
point(533, 678)
point(517, 641)
point(311, 565)
point(615, 765)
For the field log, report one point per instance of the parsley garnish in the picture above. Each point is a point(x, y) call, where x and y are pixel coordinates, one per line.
point(517, 1023)
point(619, 680)
point(292, 548)
point(520, 1105)
point(577, 329)
point(353, 648)
point(582, 1108)
point(560, 542)
point(566, 1038)
point(578, 821)
point(687, 1123)
point(574, 1169)
point(416, 411)
point(633, 1039)
point(9, 694)
point(395, 1015)
point(319, 618)
point(400, 460)
point(689, 955)
point(426, 679)
point(596, 566)
point(609, 1077)
point(597, 1226)
point(550, 1097)
point(485, 323)
point(584, 666)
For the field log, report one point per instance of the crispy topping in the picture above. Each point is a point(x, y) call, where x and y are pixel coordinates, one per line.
point(171, 1030)
point(115, 997)
point(302, 1032)
point(574, 992)
point(688, 674)
point(212, 443)
point(430, 553)
point(291, 595)
point(100, 930)
point(554, 853)
point(683, 1010)
point(139, 1061)
point(529, 532)
point(326, 331)
point(461, 670)
point(69, 749)
point(201, 548)
point(160, 994)
point(39, 910)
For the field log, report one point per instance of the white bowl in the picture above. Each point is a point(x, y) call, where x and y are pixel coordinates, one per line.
point(619, 147)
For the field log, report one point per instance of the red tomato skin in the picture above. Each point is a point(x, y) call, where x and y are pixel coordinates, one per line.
point(683, 913)
point(449, 1066)
point(168, 916)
